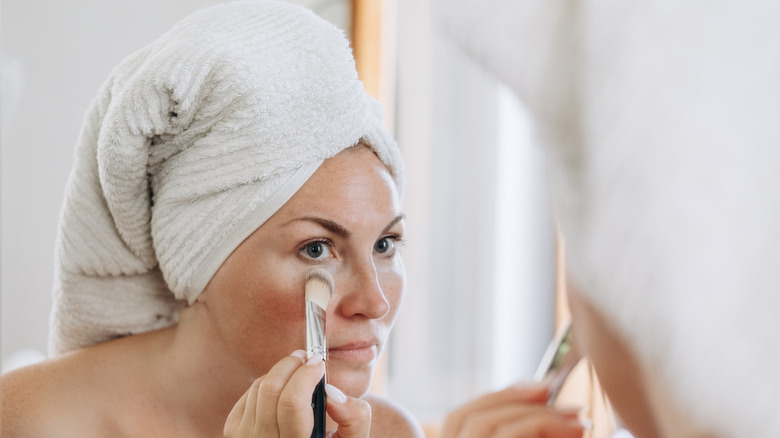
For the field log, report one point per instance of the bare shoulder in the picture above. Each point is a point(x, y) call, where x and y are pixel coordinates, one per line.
point(27, 396)
point(44, 400)
point(391, 420)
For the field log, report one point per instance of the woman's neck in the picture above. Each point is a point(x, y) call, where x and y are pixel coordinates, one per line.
point(196, 377)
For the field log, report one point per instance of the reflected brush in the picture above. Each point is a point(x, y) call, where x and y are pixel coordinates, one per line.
point(558, 362)
point(319, 288)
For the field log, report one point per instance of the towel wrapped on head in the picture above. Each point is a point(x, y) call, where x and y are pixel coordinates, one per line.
point(192, 143)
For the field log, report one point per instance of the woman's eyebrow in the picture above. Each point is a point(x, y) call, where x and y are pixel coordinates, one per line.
point(397, 219)
point(328, 224)
point(340, 230)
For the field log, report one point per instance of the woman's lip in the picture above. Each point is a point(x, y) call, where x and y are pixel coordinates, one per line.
point(354, 353)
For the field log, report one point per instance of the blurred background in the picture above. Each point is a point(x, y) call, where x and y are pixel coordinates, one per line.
point(481, 252)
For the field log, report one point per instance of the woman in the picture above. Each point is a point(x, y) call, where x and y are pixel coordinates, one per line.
point(215, 168)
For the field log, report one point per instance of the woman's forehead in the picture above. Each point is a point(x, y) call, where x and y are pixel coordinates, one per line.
point(347, 190)
point(355, 175)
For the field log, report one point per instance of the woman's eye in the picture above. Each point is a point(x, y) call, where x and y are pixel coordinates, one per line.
point(386, 245)
point(316, 250)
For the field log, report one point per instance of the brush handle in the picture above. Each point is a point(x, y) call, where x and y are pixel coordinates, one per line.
point(318, 405)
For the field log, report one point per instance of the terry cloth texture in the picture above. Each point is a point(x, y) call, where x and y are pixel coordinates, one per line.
point(661, 119)
point(191, 144)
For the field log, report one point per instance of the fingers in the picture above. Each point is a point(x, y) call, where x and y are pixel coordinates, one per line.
point(279, 403)
point(513, 395)
point(515, 411)
point(269, 390)
point(351, 414)
point(294, 414)
point(233, 421)
point(522, 420)
point(543, 425)
point(249, 419)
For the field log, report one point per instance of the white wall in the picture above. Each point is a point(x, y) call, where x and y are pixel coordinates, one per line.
point(55, 55)
point(479, 253)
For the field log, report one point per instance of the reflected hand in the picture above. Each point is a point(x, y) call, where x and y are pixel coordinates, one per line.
point(513, 412)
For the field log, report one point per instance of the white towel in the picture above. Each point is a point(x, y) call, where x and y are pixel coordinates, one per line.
point(191, 144)
point(662, 119)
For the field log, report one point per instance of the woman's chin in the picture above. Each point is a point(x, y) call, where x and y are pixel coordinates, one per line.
point(352, 383)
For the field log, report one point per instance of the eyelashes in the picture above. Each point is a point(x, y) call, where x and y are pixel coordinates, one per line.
point(320, 250)
point(388, 245)
point(316, 250)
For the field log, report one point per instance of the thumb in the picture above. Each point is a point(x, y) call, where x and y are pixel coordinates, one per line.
point(353, 415)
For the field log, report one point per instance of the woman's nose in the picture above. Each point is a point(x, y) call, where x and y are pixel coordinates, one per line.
point(362, 293)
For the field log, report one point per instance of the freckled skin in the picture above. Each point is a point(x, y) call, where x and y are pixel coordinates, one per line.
point(256, 299)
point(185, 379)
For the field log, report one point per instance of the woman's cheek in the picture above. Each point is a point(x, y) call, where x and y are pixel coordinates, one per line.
point(272, 326)
point(393, 283)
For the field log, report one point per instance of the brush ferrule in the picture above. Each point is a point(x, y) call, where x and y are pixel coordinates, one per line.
point(315, 331)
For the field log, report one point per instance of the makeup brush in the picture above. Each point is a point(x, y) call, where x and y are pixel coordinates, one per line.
point(319, 288)
point(558, 362)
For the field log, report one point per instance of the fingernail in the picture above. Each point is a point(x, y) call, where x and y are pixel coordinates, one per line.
point(300, 354)
point(334, 394)
point(315, 359)
point(587, 423)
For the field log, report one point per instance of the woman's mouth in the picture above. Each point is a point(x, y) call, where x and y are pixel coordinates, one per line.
point(359, 352)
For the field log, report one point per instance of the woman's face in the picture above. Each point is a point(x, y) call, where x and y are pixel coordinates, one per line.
point(346, 219)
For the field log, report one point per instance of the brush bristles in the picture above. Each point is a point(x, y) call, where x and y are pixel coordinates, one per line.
point(319, 287)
